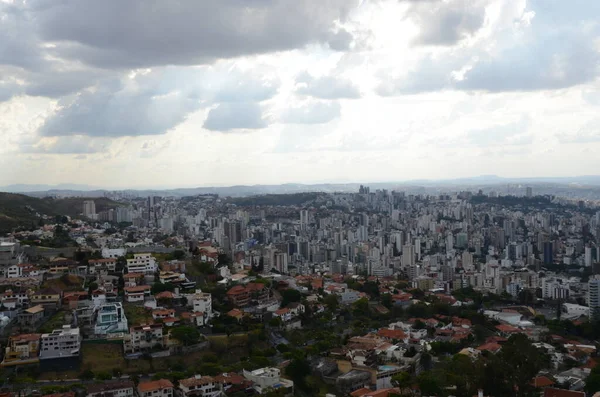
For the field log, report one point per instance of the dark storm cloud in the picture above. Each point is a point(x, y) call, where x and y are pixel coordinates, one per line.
point(117, 33)
point(232, 116)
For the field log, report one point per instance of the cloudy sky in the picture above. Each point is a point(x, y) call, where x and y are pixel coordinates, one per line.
point(178, 93)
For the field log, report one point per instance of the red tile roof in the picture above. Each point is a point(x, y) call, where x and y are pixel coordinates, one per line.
point(391, 333)
point(160, 384)
point(542, 381)
point(552, 392)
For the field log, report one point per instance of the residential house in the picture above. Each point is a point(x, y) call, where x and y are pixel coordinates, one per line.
point(95, 265)
point(144, 338)
point(201, 302)
point(22, 349)
point(124, 388)
point(20, 298)
point(50, 298)
point(133, 279)
point(160, 314)
point(241, 296)
point(155, 388)
point(31, 318)
point(171, 277)
point(173, 266)
point(137, 293)
point(197, 319)
point(200, 386)
point(268, 378)
point(61, 343)
point(110, 318)
point(142, 263)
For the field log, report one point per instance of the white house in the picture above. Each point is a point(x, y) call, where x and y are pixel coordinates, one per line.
point(142, 263)
point(137, 293)
point(205, 386)
point(201, 302)
point(113, 252)
point(110, 318)
point(61, 343)
point(573, 310)
point(156, 388)
point(266, 378)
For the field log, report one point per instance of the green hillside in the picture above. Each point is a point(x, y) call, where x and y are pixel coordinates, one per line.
point(18, 210)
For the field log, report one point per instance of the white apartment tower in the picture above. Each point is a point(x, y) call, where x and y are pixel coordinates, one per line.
point(594, 297)
point(89, 209)
point(408, 255)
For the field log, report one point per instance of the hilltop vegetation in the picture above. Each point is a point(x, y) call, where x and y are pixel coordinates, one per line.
point(21, 211)
point(276, 199)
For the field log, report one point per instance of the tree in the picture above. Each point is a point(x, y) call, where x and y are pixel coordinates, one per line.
point(159, 287)
point(429, 384)
point(298, 369)
point(186, 335)
point(402, 380)
point(361, 307)
point(592, 383)
point(332, 302)
point(290, 295)
point(178, 254)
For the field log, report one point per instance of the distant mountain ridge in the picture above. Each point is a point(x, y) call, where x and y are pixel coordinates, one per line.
point(249, 190)
point(20, 210)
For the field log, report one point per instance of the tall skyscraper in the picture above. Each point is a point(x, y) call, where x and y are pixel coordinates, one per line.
point(548, 255)
point(89, 209)
point(528, 191)
point(408, 255)
point(594, 297)
point(304, 217)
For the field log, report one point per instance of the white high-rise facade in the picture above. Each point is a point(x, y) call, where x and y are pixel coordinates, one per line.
point(408, 255)
point(594, 296)
point(89, 209)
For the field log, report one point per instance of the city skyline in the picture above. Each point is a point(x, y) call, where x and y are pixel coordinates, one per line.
point(242, 93)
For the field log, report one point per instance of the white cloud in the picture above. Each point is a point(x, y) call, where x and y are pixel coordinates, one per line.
point(335, 91)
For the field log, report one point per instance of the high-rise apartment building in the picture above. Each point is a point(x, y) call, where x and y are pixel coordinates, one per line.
point(89, 209)
point(408, 255)
point(594, 296)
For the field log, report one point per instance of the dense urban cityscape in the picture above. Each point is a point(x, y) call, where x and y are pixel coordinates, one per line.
point(371, 293)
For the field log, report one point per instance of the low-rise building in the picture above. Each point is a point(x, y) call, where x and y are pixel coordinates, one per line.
point(144, 338)
point(268, 378)
point(95, 265)
point(200, 386)
point(241, 295)
point(61, 343)
point(22, 349)
point(110, 318)
point(201, 302)
point(155, 388)
point(48, 297)
point(123, 388)
point(137, 293)
point(30, 319)
point(142, 263)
